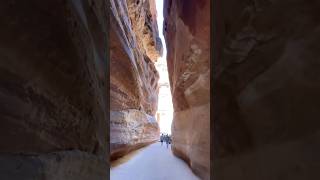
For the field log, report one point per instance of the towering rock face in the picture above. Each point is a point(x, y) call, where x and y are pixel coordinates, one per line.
point(266, 86)
point(134, 47)
point(52, 90)
point(187, 33)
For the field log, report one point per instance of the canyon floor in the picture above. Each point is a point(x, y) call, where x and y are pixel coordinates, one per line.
point(154, 162)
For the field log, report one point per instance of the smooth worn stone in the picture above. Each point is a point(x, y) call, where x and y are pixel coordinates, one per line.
point(52, 88)
point(187, 33)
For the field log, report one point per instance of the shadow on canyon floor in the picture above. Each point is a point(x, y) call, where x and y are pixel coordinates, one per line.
point(125, 158)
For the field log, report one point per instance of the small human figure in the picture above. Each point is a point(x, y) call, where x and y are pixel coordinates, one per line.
point(168, 141)
point(161, 139)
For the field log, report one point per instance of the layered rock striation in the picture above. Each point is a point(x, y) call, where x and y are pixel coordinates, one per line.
point(266, 90)
point(187, 33)
point(131, 129)
point(134, 47)
point(52, 90)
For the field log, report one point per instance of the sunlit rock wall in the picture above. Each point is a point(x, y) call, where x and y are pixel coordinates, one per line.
point(187, 33)
point(52, 90)
point(131, 129)
point(266, 90)
point(134, 47)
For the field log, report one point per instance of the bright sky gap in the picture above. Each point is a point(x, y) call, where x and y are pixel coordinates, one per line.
point(165, 107)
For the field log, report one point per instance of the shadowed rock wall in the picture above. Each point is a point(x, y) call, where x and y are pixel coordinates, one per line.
point(52, 90)
point(266, 86)
point(187, 33)
point(134, 47)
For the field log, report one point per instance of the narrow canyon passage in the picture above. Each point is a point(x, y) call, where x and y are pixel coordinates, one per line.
point(160, 51)
point(154, 162)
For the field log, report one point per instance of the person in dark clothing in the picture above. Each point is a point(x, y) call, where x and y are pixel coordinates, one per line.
point(161, 139)
point(168, 140)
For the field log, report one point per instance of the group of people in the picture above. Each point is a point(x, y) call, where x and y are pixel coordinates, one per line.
point(165, 138)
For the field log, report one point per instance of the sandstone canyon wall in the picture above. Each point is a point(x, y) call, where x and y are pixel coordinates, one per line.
point(52, 90)
point(134, 47)
point(187, 34)
point(266, 90)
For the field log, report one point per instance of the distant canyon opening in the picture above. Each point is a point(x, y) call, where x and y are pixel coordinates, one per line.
point(165, 108)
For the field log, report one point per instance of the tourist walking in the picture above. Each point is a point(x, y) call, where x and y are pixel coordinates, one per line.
point(161, 139)
point(168, 140)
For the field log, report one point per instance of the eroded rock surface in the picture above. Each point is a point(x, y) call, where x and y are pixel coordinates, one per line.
point(187, 33)
point(131, 129)
point(134, 47)
point(52, 88)
point(63, 165)
point(267, 90)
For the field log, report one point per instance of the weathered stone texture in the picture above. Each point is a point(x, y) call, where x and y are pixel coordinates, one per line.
point(52, 83)
point(266, 90)
point(187, 33)
point(134, 47)
point(63, 165)
point(131, 129)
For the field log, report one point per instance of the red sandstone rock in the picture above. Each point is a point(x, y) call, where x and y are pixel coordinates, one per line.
point(52, 90)
point(134, 47)
point(187, 31)
point(266, 89)
point(131, 129)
